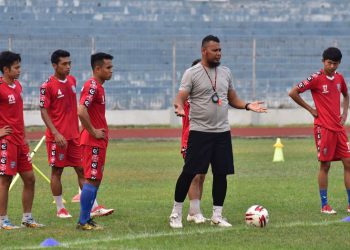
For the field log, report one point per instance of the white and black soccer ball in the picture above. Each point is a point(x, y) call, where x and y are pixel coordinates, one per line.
point(257, 216)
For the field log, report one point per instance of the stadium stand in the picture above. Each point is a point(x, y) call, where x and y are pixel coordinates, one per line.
point(144, 36)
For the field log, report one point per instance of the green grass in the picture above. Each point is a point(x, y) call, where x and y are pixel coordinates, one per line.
point(139, 183)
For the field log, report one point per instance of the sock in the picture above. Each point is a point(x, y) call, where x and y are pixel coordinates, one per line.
point(177, 208)
point(348, 191)
point(195, 207)
point(323, 195)
point(95, 205)
point(87, 198)
point(217, 211)
point(59, 202)
point(26, 216)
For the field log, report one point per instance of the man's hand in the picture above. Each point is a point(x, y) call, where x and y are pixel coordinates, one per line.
point(256, 107)
point(99, 133)
point(60, 140)
point(343, 118)
point(7, 130)
point(179, 110)
point(313, 112)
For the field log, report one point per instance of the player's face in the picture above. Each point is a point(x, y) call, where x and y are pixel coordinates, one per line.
point(212, 53)
point(106, 70)
point(62, 68)
point(330, 66)
point(14, 71)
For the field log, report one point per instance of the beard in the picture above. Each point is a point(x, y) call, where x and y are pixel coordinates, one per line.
point(213, 64)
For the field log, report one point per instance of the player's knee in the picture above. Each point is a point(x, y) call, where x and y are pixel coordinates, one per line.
point(56, 172)
point(29, 180)
point(201, 178)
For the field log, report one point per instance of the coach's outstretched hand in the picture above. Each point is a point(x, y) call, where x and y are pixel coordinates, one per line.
point(257, 107)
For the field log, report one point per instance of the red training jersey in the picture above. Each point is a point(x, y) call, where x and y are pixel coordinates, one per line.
point(93, 98)
point(326, 93)
point(11, 110)
point(185, 125)
point(59, 98)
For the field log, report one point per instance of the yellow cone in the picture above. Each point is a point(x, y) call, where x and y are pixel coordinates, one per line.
point(278, 155)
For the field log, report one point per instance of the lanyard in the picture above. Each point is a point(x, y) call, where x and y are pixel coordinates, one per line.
point(212, 85)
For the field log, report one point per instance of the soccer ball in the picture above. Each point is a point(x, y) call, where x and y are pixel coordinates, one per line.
point(257, 216)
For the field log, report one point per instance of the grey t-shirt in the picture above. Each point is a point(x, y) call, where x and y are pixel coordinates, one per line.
point(205, 115)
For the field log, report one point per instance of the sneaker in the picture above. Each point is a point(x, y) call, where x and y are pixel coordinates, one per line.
point(63, 213)
point(196, 218)
point(327, 209)
point(7, 225)
point(90, 225)
point(76, 198)
point(175, 220)
point(220, 222)
point(31, 223)
point(101, 211)
point(96, 226)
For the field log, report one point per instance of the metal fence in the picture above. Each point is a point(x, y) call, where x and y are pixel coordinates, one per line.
point(148, 71)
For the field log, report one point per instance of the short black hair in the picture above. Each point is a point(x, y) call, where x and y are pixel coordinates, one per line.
point(56, 55)
point(8, 58)
point(195, 62)
point(97, 59)
point(333, 54)
point(209, 38)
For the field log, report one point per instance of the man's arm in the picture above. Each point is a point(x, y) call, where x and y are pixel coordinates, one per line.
point(86, 122)
point(179, 102)
point(236, 102)
point(294, 94)
point(59, 139)
point(344, 115)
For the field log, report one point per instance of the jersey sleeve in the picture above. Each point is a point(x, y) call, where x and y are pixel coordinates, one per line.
point(344, 88)
point(88, 93)
point(186, 82)
point(230, 80)
point(45, 96)
point(309, 83)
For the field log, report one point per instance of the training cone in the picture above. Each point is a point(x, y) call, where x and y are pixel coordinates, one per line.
point(278, 155)
point(346, 219)
point(49, 242)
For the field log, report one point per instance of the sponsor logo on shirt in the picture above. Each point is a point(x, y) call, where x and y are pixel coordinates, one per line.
point(59, 94)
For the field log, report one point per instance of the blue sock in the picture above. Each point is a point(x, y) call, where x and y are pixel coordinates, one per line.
point(348, 191)
point(87, 198)
point(323, 195)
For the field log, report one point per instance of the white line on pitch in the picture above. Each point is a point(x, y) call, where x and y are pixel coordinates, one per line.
point(176, 233)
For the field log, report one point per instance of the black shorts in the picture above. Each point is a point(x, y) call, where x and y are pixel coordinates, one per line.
point(206, 148)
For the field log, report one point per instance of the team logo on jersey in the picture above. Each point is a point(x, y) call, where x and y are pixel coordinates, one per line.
point(95, 151)
point(59, 94)
point(74, 89)
point(338, 87)
point(61, 157)
point(325, 89)
point(43, 91)
point(13, 164)
point(12, 99)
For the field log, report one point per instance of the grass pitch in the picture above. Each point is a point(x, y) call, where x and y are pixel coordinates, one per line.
point(139, 183)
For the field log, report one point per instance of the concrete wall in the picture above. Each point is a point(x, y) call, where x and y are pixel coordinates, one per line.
point(276, 117)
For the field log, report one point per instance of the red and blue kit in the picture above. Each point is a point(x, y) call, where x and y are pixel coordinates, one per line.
point(58, 97)
point(94, 150)
point(330, 135)
point(14, 151)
